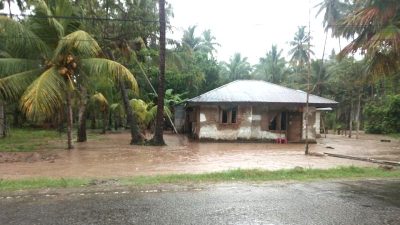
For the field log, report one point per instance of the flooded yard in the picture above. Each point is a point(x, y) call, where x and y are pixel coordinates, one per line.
point(112, 156)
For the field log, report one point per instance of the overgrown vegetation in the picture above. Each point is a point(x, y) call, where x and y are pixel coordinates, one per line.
point(383, 117)
point(253, 175)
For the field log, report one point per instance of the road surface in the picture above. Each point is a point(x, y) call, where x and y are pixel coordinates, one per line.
point(323, 202)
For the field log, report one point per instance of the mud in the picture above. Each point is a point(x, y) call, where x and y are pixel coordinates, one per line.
point(27, 157)
point(112, 156)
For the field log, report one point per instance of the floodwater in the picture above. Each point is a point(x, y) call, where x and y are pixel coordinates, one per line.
point(112, 156)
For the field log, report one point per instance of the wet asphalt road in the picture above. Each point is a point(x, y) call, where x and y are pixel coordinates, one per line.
point(335, 202)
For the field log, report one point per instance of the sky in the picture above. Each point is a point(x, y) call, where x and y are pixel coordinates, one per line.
point(250, 27)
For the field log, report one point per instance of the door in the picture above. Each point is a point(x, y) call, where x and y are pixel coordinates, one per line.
point(294, 126)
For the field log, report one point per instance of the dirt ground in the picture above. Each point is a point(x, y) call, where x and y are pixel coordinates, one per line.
point(112, 156)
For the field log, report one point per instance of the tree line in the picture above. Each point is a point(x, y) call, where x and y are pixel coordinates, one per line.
point(69, 62)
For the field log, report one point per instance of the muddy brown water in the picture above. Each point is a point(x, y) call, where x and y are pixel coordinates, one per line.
point(112, 156)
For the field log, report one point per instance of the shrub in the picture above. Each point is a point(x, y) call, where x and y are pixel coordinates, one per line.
point(384, 116)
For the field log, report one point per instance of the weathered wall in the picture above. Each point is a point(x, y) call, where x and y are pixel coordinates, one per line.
point(248, 126)
point(317, 124)
point(312, 121)
point(179, 118)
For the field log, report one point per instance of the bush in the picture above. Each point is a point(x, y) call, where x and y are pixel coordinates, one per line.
point(383, 117)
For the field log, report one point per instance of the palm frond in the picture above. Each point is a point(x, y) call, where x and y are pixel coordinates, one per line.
point(140, 110)
point(78, 43)
point(10, 66)
point(100, 66)
point(13, 86)
point(19, 41)
point(101, 101)
point(45, 95)
point(43, 12)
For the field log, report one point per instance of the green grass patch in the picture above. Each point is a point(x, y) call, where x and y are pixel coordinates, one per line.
point(29, 139)
point(253, 175)
point(395, 135)
point(10, 185)
point(264, 175)
point(26, 140)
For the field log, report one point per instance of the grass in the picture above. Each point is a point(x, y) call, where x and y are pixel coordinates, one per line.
point(395, 135)
point(224, 176)
point(26, 140)
point(29, 139)
point(10, 185)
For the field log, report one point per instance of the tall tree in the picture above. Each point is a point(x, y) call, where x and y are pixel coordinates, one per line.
point(374, 27)
point(158, 138)
point(237, 68)
point(271, 67)
point(300, 51)
point(45, 85)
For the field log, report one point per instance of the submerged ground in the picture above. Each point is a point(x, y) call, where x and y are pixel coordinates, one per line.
point(110, 155)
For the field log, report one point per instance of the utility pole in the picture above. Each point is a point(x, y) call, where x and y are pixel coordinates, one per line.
point(308, 78)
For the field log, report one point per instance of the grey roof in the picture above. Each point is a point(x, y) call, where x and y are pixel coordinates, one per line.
point(255, 91)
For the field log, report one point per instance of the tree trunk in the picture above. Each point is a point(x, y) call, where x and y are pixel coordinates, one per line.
point(116, 121)
point(136, 138)
point(105, 121)
point(16, 117)
point(351, 119)
point(2, 119)
point(158, 138)
point(82, 137)
point(358, 115)
point(93, 124)
point(69, 120)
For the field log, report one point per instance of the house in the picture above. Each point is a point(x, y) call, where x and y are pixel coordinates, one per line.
point(252, 110)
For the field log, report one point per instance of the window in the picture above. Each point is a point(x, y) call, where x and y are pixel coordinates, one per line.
point(283, 121)
point(228, 115)
point(278, 122)
point(233, 115)
point(272, 123)
point(224, 116)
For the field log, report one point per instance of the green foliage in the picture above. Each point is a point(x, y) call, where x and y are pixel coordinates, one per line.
point(26, 140)
point(263, 175)
point(252, 175)
point(383, 117)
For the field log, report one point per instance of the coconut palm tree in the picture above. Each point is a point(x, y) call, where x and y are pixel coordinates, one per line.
point(237, 68)
point(300, 51)
point(190, 40)
point(49, 78)
point(272, 66)
point(208, 43)
point(374, 27)
point(158, 138)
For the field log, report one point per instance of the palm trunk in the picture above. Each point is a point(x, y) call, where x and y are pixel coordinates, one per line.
point(358, 115)
point(136, 138)
point(105, 121)
point(69, 120)
point(93, 121)
point(2, 120)
point(82, 137)
point(351, 119)
point(158, 138)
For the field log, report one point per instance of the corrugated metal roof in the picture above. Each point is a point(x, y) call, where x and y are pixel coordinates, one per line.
point(255, 91)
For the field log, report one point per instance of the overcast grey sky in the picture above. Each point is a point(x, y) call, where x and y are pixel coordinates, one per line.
point(250, 26)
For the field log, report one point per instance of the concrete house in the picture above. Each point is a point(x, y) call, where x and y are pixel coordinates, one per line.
point(251, 110)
